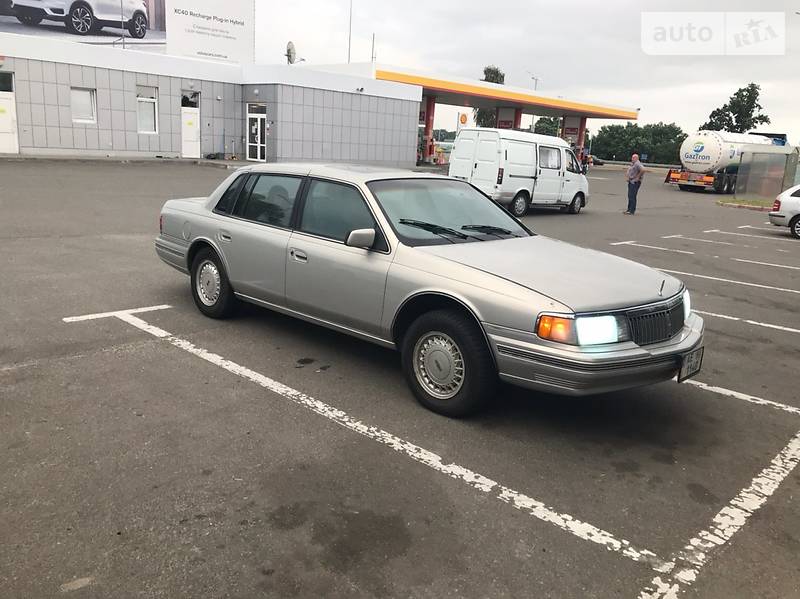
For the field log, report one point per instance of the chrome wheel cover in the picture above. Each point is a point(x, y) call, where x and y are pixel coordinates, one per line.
point(208, 283)
point(438, 365)
point(519, 206)
point(796, 227)
point(139, 26)
point(81, 19)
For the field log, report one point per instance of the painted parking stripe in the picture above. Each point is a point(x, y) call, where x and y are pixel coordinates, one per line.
point(745, 283)
point(753, 322)
point(652, 247)
point(522, 502)
point(705, 240)
point(115, 313)
point(759, 401)
point(767, 237)
point(728, 521)
point(772, 228)
point(766, 263)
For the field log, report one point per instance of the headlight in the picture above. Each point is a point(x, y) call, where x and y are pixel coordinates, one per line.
point(583, 330)
point(687, 305)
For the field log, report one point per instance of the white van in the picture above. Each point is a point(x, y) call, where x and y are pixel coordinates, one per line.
point(519, 169)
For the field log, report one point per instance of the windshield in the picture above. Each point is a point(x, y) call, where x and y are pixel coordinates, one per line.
point(436, 211)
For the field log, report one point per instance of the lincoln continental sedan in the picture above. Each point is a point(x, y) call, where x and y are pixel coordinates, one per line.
point(431, 267)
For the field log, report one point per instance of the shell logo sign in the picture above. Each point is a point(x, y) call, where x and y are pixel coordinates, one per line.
point(462, 118)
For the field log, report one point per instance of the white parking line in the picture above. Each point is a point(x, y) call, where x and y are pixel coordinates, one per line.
point(760, 401)
point(753, 322)
point(524, 503)
point(705, 240)
point(745, 283)
point(116, 313)
point(651, 247)
point(766, 263)
point(767, 237)
point(728, 521)
point(759, 228)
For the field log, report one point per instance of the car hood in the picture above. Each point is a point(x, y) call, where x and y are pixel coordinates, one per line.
point(583, 279)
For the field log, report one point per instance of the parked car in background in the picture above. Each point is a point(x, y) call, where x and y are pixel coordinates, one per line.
point(431, 267)
point(786, 211)
point(520, 169)
point(86, 16)
point(597, 161)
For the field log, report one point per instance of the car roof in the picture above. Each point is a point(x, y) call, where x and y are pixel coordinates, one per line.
point(517, 135)
point(354, 173)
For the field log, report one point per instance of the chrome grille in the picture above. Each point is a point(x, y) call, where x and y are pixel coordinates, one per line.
point(656, 323)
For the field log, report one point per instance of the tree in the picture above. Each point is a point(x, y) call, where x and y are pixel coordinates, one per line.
point(661, 142)
point(742, 112)
point(547, 125)
point(486, 117)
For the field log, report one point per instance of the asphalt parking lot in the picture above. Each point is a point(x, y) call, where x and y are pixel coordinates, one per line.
point(164, 454)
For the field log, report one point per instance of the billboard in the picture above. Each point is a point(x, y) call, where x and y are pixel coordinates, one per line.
point(211, 30)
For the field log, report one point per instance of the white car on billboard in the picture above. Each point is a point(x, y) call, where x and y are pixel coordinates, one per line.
point(83, 17)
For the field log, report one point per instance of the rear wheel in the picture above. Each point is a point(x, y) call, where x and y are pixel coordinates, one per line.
point(137, 26)
point(211, 290)
point(447, 363)
point(794, 227)
point(520, 204)
point(80, 19)
point(576, 204)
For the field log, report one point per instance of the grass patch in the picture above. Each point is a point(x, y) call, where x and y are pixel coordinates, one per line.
point(760, 203)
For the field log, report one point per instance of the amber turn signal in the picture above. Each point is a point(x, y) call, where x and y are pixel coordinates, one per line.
point(556, 328)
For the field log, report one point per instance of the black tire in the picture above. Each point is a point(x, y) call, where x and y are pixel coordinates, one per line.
point(79, 19)
point(137, 26)
point(97, 27)
point(520, 204)
point(478, 377)
point(218, 300)
point(576, 204)
point(794, 227)
point(28, 19)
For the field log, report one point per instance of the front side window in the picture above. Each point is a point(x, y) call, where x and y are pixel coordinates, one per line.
point(83, 105)
point(270, 200)
point(437, 211)
point(549, 157)
point(572, 163)
point(147, 109)
point(332, 210)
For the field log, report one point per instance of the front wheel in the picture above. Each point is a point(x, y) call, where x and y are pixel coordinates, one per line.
point(80, 20)
point(519, 205)
point(211, 290)
point(447, 363)
point(576, 204)
point(794, 227)
point(137, 26)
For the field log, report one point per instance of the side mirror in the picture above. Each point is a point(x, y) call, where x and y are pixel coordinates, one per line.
point(361, 238)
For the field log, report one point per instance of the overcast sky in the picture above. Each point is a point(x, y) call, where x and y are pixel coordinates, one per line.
point(588, 51)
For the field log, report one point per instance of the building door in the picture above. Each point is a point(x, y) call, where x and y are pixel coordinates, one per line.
point(9, 143)
point(257, 132)
point(190, 124)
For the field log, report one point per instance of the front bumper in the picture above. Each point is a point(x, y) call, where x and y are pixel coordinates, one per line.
point(55, 10)
point(524, 360)
point(776, 218)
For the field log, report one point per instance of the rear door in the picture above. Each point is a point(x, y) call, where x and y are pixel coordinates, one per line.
point(487, 161)
point(463, 155)
point(549, 175)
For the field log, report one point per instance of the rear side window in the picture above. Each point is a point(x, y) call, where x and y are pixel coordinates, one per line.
point(796, 193)
point(333, 210)
point(549, 157)
point(228, 199)
point(270, 201)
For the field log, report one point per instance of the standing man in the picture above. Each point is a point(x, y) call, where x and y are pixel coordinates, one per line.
point(633, 176)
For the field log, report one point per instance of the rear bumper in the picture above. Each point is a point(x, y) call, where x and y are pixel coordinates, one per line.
point(776, 218)
point(530, 364)
point(173, 253)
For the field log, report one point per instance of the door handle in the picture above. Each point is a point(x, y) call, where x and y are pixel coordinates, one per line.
point(225, 236)
point(298, 255)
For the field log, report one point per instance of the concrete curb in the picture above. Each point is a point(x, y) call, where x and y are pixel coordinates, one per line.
point(744, 206)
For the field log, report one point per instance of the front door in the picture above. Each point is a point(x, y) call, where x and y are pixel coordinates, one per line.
point(549, 176)
point(257, 132)
point(9, 143)
point(327, 279)
point(190, 132)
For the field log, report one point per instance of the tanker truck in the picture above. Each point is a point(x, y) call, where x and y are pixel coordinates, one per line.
point(710, 160)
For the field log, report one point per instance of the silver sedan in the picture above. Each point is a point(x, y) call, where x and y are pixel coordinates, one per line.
point(431, 267)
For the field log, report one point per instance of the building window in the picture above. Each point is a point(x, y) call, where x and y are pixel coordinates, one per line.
point(147, 109)
point(84, 105)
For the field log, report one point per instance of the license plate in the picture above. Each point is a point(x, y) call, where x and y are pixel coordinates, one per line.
point(690, 364)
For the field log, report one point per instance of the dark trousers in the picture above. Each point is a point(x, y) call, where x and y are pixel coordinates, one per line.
point(633, 190)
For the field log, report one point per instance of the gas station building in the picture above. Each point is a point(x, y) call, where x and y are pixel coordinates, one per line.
point(68, 98)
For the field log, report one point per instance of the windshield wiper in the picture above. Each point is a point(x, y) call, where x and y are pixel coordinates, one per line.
point(489, 229)
point(434, 228)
